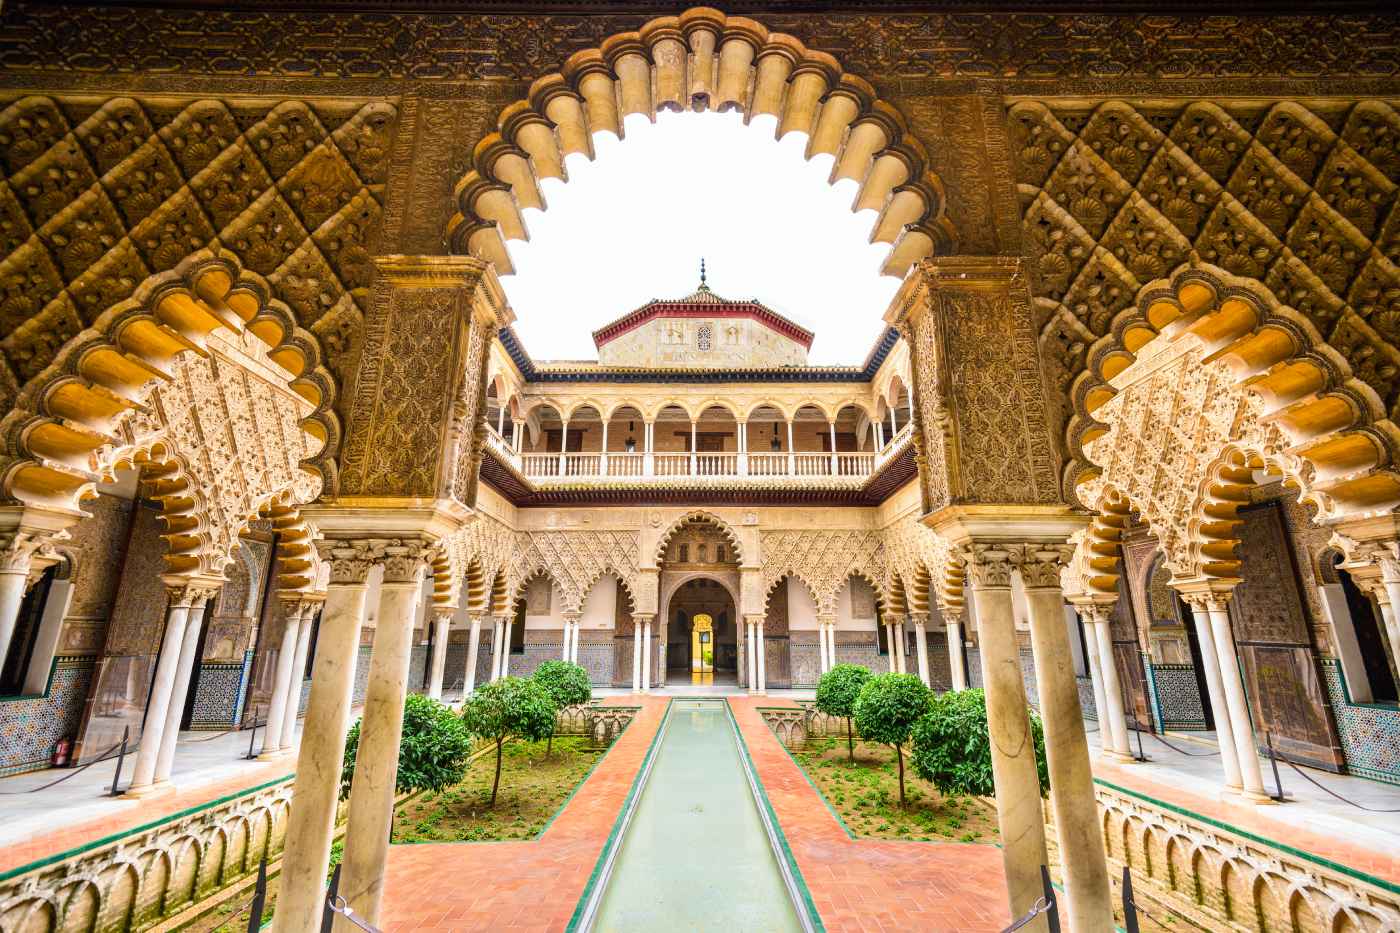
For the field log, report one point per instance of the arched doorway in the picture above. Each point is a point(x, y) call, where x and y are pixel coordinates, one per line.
point(702, 634)
point(699, 578)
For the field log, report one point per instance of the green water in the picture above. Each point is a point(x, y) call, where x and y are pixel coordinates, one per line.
point(695, 855)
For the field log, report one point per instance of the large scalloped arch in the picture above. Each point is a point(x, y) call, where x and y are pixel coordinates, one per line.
point(698, 60)
point(659, 555)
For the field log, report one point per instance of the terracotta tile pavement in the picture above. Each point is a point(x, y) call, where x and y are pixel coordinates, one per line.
point(139, 813)
point(1257, 820)
point(527, 885)
point(867, 884)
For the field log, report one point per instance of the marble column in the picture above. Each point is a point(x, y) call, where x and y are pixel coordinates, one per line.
point(828, 635)
point(184, 677)
point(1091, 651)
point(311, 818)
point(506, 624)
point(1113, 719)
point(761, 651)
point(473, 651)
point(179, 597)
point(1215, 689)
point(292, 611)
point(1390, 578)
point(1246, 746)
point(957, 664)
point(636, 656)
point(496, 629)
point(293, 710)
point(442, 631)
point(371, 806)
point(1020, 814)
point(1078, 832)
point(14, 577)
point(892, 650)
point(921, 644)
point(751, 632)
point(825, 658)
point(645, 621)
point(901, 662)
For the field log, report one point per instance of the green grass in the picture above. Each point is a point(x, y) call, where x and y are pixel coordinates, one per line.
point(533, 787)
point(866, 795)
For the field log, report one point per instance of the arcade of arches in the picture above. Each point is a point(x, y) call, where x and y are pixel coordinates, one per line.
point(272, 451)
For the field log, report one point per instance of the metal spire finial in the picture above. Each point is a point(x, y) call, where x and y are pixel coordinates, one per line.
point(702, 271)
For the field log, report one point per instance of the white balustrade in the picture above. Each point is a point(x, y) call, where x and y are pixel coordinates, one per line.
point(539, 465)
point(717, 464)
point(768, 464)
point(673, 464)
point(757, 467)
point(583, 464)
point(625, 464)
point(813, 464)
point(855, 464)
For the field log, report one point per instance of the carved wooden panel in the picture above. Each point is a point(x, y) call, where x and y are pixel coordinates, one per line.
point(1286, 695)
point(1127, 653)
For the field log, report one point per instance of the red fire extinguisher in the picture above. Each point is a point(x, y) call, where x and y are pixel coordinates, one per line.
point(61, 750)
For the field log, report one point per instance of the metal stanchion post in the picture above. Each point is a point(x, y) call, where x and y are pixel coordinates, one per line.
point(252, 734)
point(1273, 762)
point(255, 910)
point(1053, 914)
point(1130, 920)
point(121, 757)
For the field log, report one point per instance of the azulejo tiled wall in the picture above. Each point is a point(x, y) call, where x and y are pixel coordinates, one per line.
point(1175, 695)
point(220, 693)
point(1370, 732)
point(1086, 698)
point(30, 726)
point(357, 699)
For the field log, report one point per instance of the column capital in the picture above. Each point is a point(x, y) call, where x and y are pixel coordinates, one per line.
point(1040, 564)
point(572, 615)
point(298, 605)
point(404, 561)
point(755, 618)
point(920, 619)
point(826, 618)
point(988, 566)
point(1206, 595)
point(642, 618)
point(443, 613)
point(191, 592)
point(1093, 610)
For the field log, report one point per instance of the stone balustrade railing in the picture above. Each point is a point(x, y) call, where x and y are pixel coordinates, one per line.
point(1194, 870)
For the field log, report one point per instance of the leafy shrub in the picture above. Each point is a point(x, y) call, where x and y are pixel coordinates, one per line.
point(567, 684)
point(887, 708)
point(836, 696)
point(953, 750)
point(434, 750)
point(511, 707)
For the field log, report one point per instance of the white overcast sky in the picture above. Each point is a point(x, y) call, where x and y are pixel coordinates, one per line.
point(632, 225)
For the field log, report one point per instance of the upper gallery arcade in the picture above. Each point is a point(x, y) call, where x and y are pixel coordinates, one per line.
point(267, 419)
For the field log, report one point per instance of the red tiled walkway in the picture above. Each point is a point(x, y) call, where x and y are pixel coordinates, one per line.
point(529, 885)
point(867, 884)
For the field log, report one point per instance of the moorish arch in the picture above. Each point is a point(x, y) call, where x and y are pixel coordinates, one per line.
point(697, 516)
point(700, 60)
point(1211, 383)
point(202, 381)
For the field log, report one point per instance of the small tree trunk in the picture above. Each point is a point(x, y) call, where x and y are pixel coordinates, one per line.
point(500, 743)
point(850, 741)
point(549, 746)
point(899, 753)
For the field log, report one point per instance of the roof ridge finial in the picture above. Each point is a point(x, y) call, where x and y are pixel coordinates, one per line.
point(703, 286)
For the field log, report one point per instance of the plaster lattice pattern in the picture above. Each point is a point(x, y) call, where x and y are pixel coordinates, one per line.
point(387, 45)
point(94, 200)
point(1301, 200)
point(29, 727)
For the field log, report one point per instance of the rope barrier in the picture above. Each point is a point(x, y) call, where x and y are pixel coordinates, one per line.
point(1333, 793)
point(105, 756)
point(1182, 751)
point(338, 904)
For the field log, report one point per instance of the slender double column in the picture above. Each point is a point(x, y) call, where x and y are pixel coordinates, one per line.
point(292, 611)
point(643, 621)
point(311, 819)
point(571, 633)
point(16, 561)
point(891, 649)
point(758, 664)
point(1103, 666)
point(920, 620)
point(636, 656)
point(1077, 828)
point(957, 664)
point(473, 651)
point(1215, 688)
point(372, 787)
point(182, 595)
point(899, 648)
point(184, 679)
point(1216, 606)
point(293, 709)
point(1390, 578)
point(442, 631)
point(497, 628)
point(751, 652)
point(826, 640)
point(1020, 815)
point(504, 651)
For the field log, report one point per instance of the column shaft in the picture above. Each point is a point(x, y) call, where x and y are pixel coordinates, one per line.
point(282, 677)
point(646, 656)
point(921, 645)
point(1116, 718)
point(293, 710)
point(184, 678)
point(12, 586)
point(636, 656)
point(167, 665)
point(1019, 811)
point(1246, 748)
point(752, 655)
point(473, 650)
point(958, 669)
point(311, 818)
point(505, 646)
point(821, 646)
point(762, 661)
point(1077, 827)
point(1091, 651)
point(377, 759)
point(442, 630)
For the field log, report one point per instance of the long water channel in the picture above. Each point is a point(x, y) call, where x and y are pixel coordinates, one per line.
point(696, 851)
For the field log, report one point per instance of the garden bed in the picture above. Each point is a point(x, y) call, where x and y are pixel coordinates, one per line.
point(866, 796)
point(533, 788)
